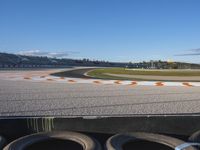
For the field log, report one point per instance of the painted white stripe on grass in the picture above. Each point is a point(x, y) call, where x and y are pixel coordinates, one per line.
point(149, 83)
point(195, 83)
point(112, 82)
point(125, 82)
point(173, 84)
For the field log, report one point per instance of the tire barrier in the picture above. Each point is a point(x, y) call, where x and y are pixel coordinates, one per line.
point(144, 141)
point(2, 142)
point(54, 140)
point(195, 137)
point(128, 141)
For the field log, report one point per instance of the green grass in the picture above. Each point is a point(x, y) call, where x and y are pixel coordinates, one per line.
point(101, 73)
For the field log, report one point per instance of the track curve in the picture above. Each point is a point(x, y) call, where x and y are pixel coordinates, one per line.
point(36, 93)
point(75, 73)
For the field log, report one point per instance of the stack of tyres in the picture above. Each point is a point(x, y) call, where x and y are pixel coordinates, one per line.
point(63, 140)
point(145, 141)
point(54, 141)
point(2, 142)
point(195, 138)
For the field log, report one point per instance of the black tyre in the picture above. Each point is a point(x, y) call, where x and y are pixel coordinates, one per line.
point(144, 141)
point(54, 141)
point(2, 142)
point(195, 137)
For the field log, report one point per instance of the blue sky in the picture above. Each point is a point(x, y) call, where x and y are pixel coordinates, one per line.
point(114, 30)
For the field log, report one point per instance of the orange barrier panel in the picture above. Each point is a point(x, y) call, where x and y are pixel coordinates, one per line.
point(159, 84)
point(72, 81)
point(133, 83)
point(97, 82)
point(187, 84)
point(117, 82)
point(49, 79)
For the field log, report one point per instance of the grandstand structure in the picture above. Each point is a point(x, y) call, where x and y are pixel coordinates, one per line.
point(163, 65)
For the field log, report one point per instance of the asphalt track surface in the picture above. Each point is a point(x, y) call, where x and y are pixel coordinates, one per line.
point(76, 73)
point(24, 98)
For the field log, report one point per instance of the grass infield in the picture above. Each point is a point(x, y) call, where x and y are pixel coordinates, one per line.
point(103, 73)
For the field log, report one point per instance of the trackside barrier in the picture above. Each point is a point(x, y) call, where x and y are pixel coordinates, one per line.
point(53, 79)
point(2, 142)
point(125, 141)
point(144, 141)
point(55, 140)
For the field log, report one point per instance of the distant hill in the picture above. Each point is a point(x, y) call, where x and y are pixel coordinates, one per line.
point(22, 61)
point(13, 60)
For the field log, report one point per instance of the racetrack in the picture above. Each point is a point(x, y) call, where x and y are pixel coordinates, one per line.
point(48, 98)
point(76, 73)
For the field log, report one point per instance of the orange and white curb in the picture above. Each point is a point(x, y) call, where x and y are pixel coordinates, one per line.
point(53, 79)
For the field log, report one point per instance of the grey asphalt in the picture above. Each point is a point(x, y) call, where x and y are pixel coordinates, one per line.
point(74, 73)
point(23, 98)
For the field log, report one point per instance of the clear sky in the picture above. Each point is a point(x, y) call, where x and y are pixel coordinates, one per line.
point(114, 30)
